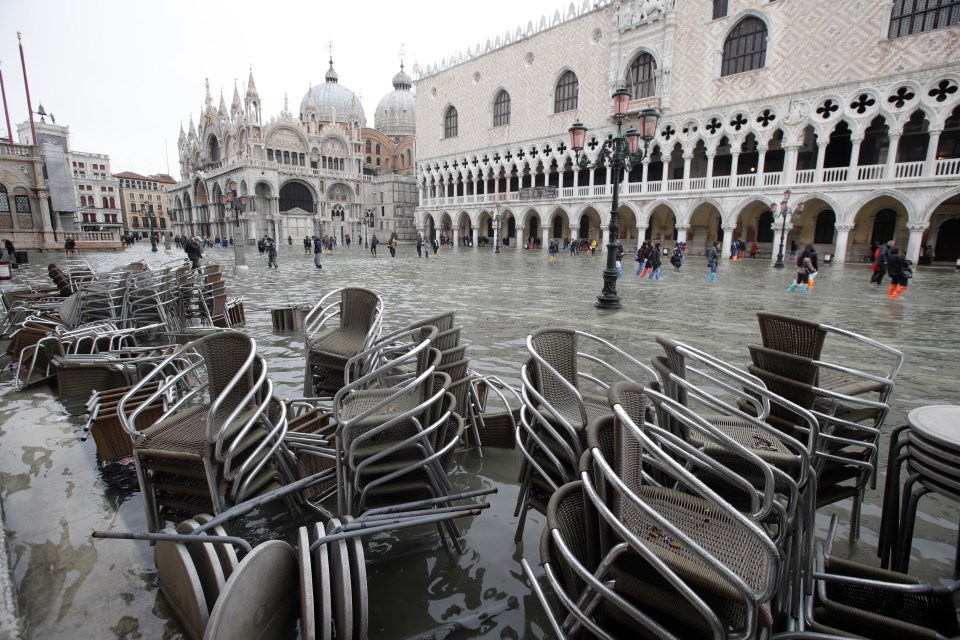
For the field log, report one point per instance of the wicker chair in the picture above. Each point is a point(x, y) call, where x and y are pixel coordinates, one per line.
point(690, 562)
point(208, 450)
point(564, 387)
point(808, 339)
point(342, 324)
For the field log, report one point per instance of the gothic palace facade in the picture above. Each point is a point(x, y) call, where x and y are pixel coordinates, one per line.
point(853, 106)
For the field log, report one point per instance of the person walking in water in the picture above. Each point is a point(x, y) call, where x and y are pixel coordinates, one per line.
point(272, 253)
point(419, 245)
point(804, 269)
point(392, 245)
point(317, 251)
point(373, 245)
point(713, 256)
point(898, 268)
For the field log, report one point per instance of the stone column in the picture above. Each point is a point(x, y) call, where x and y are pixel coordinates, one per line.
point(710, 156)
point(574, 229)
point(456, 236)
point(854, 170)
point(646, 170)
point(734, 167)
point(682, 232)
point(687, 159)
point(840, 246)
point(761, 165)
point(641, 233)
point(821, 156)
point(930, 162)
point(790, 164)
point(916, 239)
point(544, 237)
point(473, 236)
point(521, 237)
point(727, 240)
point(890, 168)
point(602, 240)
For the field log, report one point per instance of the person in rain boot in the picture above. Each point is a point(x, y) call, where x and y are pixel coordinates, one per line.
point(897, 268)
point(804, 269)
point(713, 256)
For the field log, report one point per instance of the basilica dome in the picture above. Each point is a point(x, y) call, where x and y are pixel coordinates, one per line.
point(332, 102)
point(396, 115)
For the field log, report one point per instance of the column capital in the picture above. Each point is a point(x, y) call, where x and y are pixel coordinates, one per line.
point(823, 142)
point(729, 227)
point(682, 227)
point(846, 226)
point(918, 226)
point(688, 155)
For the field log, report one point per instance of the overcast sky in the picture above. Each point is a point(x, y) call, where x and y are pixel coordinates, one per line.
point(123, 74)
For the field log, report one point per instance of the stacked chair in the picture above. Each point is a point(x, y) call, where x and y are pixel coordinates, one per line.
point(344, 323)
point(220, 440)
point(564, 390)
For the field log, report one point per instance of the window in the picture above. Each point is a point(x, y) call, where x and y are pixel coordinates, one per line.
point(450, 123)
point(501, 109)
point(745, 48)
point(22, 203)
point(640, 81)
point(826, 223)
point(4, 200)
point(270, 155)
point(133, 206)
point(719, 9)
point(566, 96)
point(369, 145)
point(378, 149)
point(916, 16)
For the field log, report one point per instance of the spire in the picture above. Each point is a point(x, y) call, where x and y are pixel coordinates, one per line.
point(235, 106)
point(222, 109)
point(182, 137)
point(193, 129)
point(252, 87)
point(331, 74)
point(208, 99)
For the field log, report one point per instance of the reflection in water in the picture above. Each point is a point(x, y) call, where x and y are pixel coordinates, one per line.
point(71, 586)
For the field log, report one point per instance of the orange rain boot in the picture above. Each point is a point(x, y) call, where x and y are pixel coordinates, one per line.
point(900, 291)
point(643, 274)
point(891, 290)
point(810, 285)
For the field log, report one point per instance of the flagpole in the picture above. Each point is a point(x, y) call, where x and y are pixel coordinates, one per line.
point(26, 85)
point(6, 111)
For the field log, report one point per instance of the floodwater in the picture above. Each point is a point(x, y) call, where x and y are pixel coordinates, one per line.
point(72, 586)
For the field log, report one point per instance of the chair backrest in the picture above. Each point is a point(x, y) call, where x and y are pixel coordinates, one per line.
point(565, 518)
point(792, 335)
point(788, 365)
point(555, 364)
point(229, 360)
point(359, 309)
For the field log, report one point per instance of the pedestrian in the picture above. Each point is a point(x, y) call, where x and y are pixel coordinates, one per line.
point(436, 246)
point(593, 247)
point(419, 245)
point(713, 256)
point(793, 249)
point(392, 245)
point(804, 269)
point(815, 261)
point(676, 258)
point(307, 244)
point(898, 268)
point(654, 262)
point(373, 245)
point(753, 250)
point(641, 258)
point(290, 240)
point(619, 258)
point(194, 252)
point(555, 249)
point(272, 254)
point(735, 250)
point(880, 257)
point(317, 251)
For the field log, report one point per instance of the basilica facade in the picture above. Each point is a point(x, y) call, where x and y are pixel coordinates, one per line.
point(853, 107)
point(320, 171)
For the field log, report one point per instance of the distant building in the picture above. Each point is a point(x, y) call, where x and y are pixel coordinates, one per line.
point(854, 106)
point(143, 200)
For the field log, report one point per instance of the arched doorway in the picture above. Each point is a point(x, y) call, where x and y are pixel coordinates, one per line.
point(884, 226)
point(948, 241)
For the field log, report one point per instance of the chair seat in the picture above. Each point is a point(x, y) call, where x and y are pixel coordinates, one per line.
point(184, 432)
point(848, 385)
point(596, 407)
point(337, 342)
point(765, 445)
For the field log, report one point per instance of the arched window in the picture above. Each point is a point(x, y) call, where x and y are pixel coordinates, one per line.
point(5, 200)
point(378, 149)
point(294, 195)
point(640, 82)
point(566, 96)
point(369, 145)
point(450, 123)
point(745, 48)
point(83, 201)
point(826, 221)
point(917, 16)
point(501, 109)
point(113, 203)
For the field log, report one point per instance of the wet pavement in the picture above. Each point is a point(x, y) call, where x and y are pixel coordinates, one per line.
point(71, 586)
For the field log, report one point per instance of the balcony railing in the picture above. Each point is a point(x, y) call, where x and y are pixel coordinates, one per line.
point(907, 171)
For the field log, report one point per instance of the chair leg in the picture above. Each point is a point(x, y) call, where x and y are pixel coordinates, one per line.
point(907, 520)
point(855, 515)
point(518, 536)
point(891, 499)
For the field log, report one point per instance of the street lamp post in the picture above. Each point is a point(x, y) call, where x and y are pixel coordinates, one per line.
point(152, 217)
point(622, 151)
point(238, 204)
point(496, 231)
point(784, 212)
